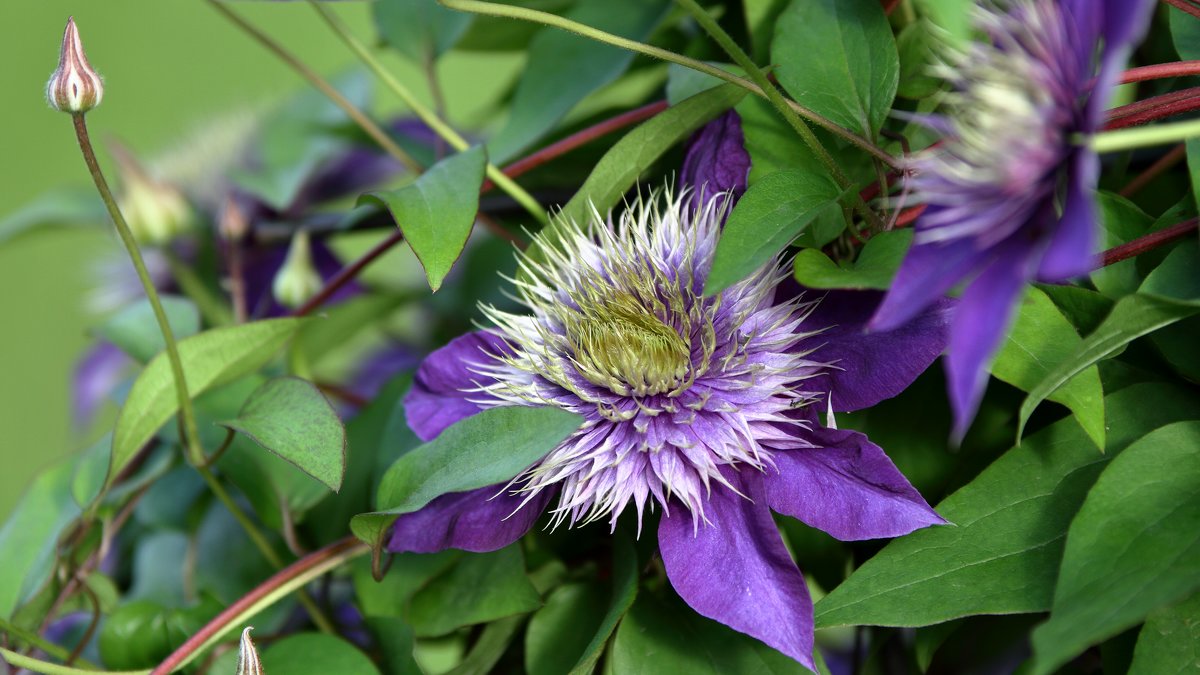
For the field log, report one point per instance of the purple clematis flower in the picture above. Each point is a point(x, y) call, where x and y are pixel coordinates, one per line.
point(1009, 189)
point(703, 407)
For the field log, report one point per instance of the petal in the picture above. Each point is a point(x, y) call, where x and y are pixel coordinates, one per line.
point(735, 569)
point(1072, 249)
point(97, 374)
point(928, 271)
point(438, 397)
point(481, 520)
point(716, 159)
point(871, 367)
point(847, 487)
point(981, 323)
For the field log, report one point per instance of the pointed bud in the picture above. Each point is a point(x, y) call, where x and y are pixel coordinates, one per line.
point(248, 663)
point(74, 87)
point(156, 212)
point(232, 223)
point(297, 280)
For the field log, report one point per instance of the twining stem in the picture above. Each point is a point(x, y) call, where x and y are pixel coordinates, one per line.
point(39, 666)
point(1161, 165)
point(1185, 6)
point(742, 59)
point(1141, 137)
point(546, 18)
point(347, 273)
point(358, 116)
point(1148, 242)
point(35, 640)
point(187, 414)
point(426, 115)
point(269, 592)
point(1160, 71)
point(1154, 108)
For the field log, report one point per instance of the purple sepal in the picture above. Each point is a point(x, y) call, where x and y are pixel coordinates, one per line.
point(734, 568)
point(1072, 247)
point(481, 520)
point(96, 375)
point(438, 397)
point(716, 159)
point(928, 271)
point(847, 487)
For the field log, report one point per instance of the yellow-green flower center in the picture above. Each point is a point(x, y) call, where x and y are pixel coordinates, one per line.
point(623, 346)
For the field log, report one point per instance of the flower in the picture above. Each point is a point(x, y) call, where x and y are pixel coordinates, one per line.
point(716, 162)
point(702, 407)
point(74, 87)
point(1008, 159)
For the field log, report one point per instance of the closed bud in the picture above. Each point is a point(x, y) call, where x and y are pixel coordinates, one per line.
point(232, 223)
point(74, 87)
point(156, 211)
point(297, 280)
point(248, 663)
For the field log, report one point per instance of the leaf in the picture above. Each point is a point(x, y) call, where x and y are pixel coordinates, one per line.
point(315, 654)
point(336, 325)
point(54, 208)
point(437, 211)
point(210, 359)
point(952, 16)
point(1132, 317)
point(291, 418)
point(560, 631)
point(491, 447)
point(395, 639)
point(489, 647)
point(563, 68)
point(1040, 338)
point(135, 330)
point(1170, 640)
point(917, 45)
point(1001, 555)
point(1132, 548)
point(1122, 221)
point(29, 538)
point(1185, 33)
point(624, 591)
point(409, 573)
point(91, 467)
point(684, 83)
point(766, 219)
point(875, 267)
point(422, 30)
point(854, 80)
point(482, 587)
point(620, 167)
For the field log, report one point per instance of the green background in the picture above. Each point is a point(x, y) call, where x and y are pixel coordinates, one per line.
point(168, 66)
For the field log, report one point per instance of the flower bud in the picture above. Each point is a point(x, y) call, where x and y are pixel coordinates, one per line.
point(297, 280)
point(156, 211)
point(74, 87)
point(232, 223)
point(248, 663)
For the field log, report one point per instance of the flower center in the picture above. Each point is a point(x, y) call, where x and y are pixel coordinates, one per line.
point(623, 346)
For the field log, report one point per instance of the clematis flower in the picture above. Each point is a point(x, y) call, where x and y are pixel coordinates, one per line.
point(701, 407)
point(1008, 191)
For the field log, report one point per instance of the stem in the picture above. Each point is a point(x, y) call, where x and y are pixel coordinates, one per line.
point(1156, 169)
point(1160, 71)
point(260, 542)
point(39, 666)
point(1148, 242)
point(1154, 108)
point(427, 116)
point(348, 273)
point(187, 415)
point(35, 640)
point(266, 594)
point(360, 118)
point(1129, 139)
point(1184, 6)
point(535, 16)
point(210, 306)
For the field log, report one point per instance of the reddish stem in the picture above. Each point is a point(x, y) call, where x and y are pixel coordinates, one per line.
point(348, 273)
point(1155, 108)
point(1160, 71)
point(1155, 170)
point(221, 622)
point(909, 215)
point(1148, 242)
point(579, 138)
point(890, 6)
point(1184, 6)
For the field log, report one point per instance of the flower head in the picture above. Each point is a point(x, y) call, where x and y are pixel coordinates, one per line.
point(701, 407)
point(74, 87)
point(1008, 189)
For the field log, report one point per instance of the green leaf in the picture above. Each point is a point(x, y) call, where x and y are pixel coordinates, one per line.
point(1132, 548)
point(408, 573)
point(918, 45)
point(422, 30)
point(560, 631)
point(1170, 640)
point(481, 587)
point(1132, 317)
point(210, 359)
point(291, 418)
point(54, 208)
point(437, 211)
point(315, 654)
point(336, 325)
point(766, 219)
point(395, 639)
point(952, 16)
point(1041, 337)
point(491, 447)
point(91, 468)
point(854, 80)
point(875, 267)
point(29, 539)
point(620, 167)
point(624, 592)
point(563, 68)
point(1001, 556)
point(1122, 221)
point(1193, 148)
point(135, 330)
point(490, 647)
point(684, 83)
point(1185, 33)
point(666, 636)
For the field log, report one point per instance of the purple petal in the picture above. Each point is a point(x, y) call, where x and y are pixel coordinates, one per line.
point(981, 322)
point(928, 271)
point(871, 367)
point(438, 397)
point(481, 520)
point(1071, 252)
point(847, 487)
point(96, 375)
point(716, 159)
point(1124, 23)
point(735, 569)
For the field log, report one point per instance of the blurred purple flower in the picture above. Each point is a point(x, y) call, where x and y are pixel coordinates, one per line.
point(1008, 159)
point(96, 375)
point(716, 162)
point(703, 406)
